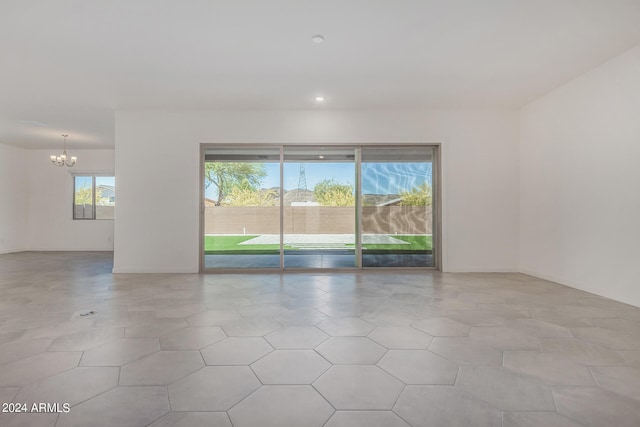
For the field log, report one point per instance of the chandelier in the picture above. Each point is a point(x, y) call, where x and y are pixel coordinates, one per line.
point(62, 159)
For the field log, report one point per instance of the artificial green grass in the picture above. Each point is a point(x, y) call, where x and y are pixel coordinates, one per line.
point(231, 245)
point(417, 243)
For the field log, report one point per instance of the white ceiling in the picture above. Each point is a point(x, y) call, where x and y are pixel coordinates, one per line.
point(69, 64)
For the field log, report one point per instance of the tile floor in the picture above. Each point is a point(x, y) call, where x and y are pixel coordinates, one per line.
point(359, 349)
point(315, 259)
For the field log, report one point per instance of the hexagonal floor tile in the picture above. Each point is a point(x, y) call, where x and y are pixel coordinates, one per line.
point(290, 367)
point(465, 351)
point(365, 419)
point(351, 351)
point(16, 350)
point(72, 386)
point(192, 338)
point(55, 329)
point(85, 340)
point(8, 393)
point(505, 338)
point(181, 310)
point(359, 387)
point(212, 388)
point(535, 419)
point(161, 368)
point(419, 367)
point(400, 338)
point(442, 327)
point(124, 319)
point(236, 351)
point(250, 327)
point(616, 339)
point(632, 358)
point(223, 303)
point(346, 327)
point(561, 319)
point(447, 406)
point(33, 419)
point(540, 329)
point(122, 406)
point(595, 407)
point(34, 368)
point(476, 317)
point(583, 352)
point(193, 419)
point(296, 338)
point(118, 353)
point(155, 328)
point(623, 380)
point(552, 368)
point(213, 317)
point(303, 302)
point(301, 317)
point(277, 406)
point(261, 310)
point(388, 317)
point(505, 389)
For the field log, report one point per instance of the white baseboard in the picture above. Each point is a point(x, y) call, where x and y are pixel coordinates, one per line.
point(12, 251)
point(551, 278)
point(481, 270)
point(165, 270)
point(94, 249)
point(575, 285)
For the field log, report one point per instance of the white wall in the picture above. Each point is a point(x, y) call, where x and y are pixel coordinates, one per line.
point(157, 167)
point(13, 199)
point(50, 197)
point(580, 182)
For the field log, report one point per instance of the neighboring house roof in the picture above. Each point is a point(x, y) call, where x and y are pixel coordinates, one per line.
point(106, 190)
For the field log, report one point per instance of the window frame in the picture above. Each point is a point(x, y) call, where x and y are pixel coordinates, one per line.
point(93, 176)
point(438, 202)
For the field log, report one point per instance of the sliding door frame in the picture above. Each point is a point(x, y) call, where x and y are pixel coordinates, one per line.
point(437, 184)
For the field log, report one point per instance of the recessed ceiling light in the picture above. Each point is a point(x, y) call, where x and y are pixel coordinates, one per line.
point(317, 38)
point(321, 157)
point(319, 98)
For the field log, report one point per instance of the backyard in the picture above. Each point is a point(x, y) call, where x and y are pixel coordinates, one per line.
point(269, 244)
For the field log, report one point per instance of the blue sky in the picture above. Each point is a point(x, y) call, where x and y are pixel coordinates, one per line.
point(106, 180)
point(377, 178)
point(85, 181)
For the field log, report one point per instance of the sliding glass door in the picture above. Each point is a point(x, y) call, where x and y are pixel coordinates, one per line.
point(242, 207)
point(397, 207)
point(319, 207)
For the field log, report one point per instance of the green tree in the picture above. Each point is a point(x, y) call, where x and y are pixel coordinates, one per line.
point(419, 195)
point(84, 195)
point(245, 196)
point(329, 192)
point(226, 176)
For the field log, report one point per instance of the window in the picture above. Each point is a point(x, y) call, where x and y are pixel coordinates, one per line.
point(94, 197)
point(312, 207)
